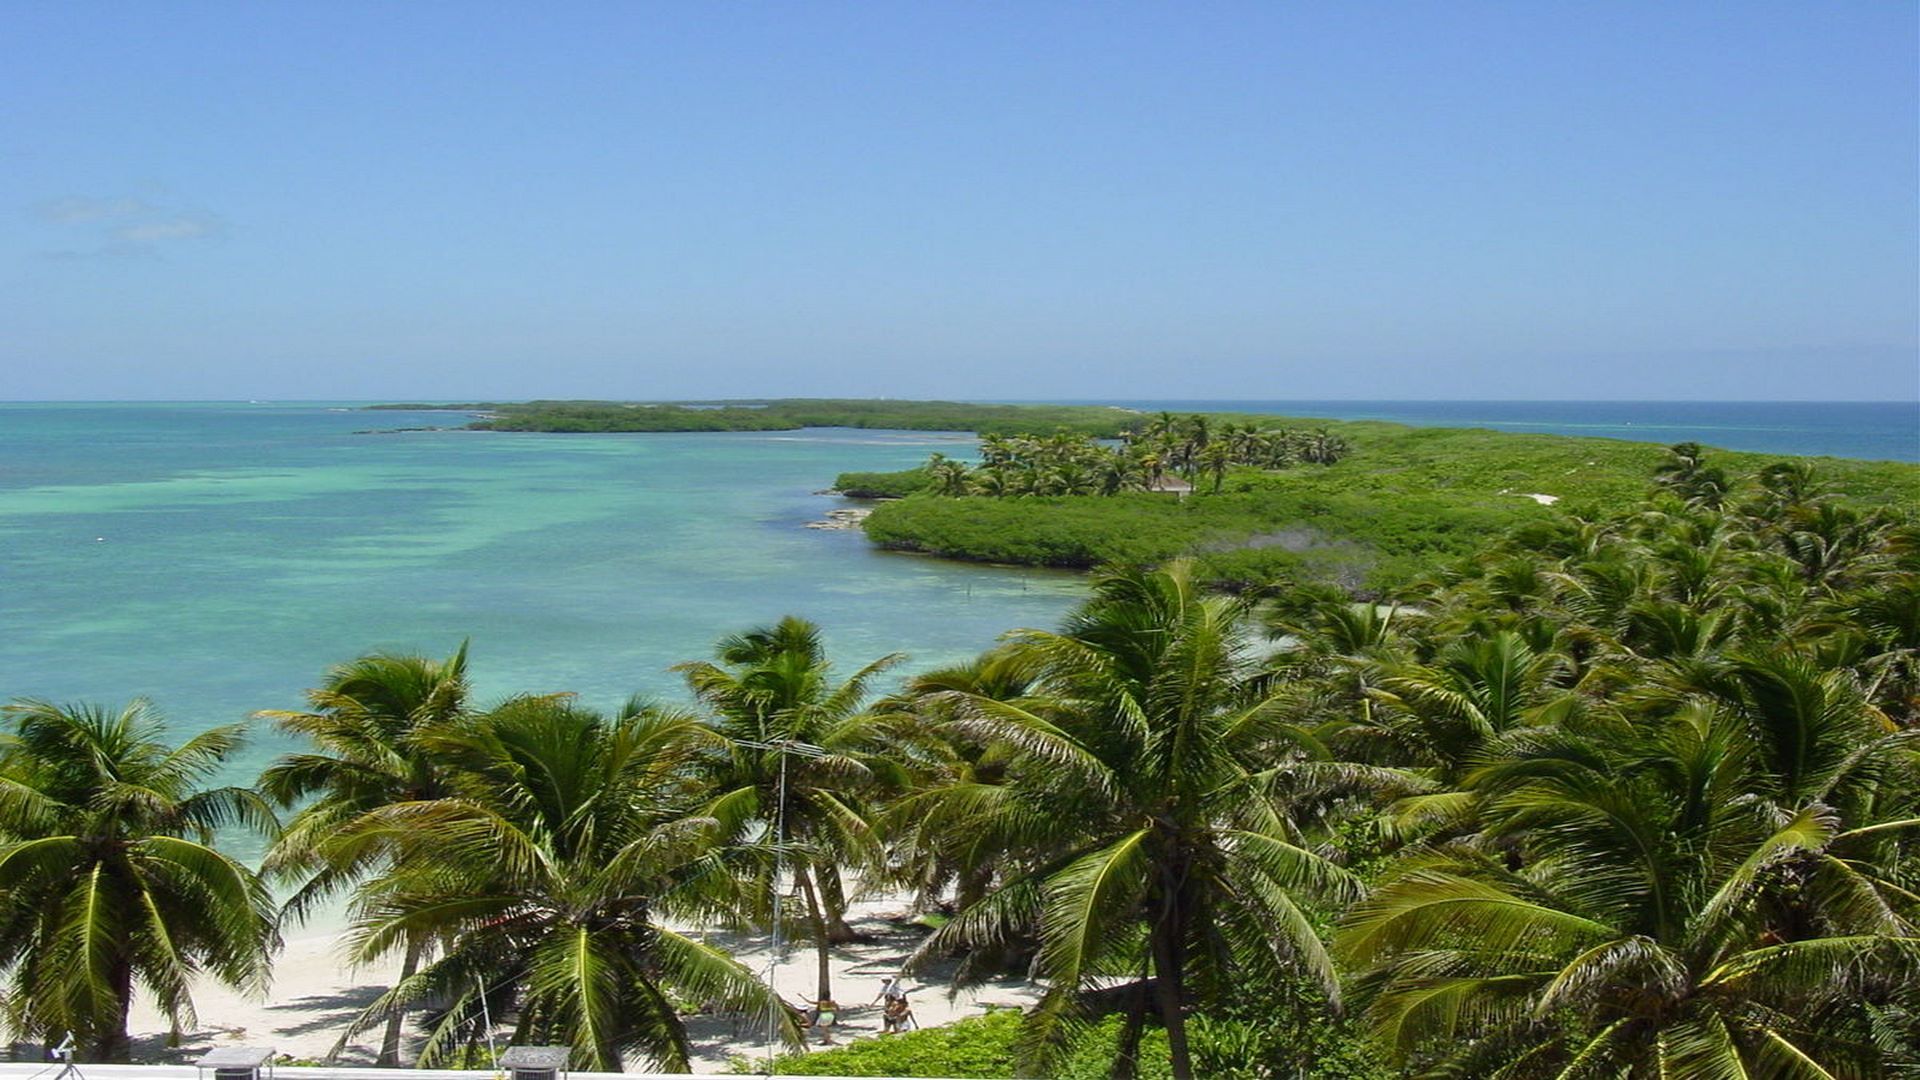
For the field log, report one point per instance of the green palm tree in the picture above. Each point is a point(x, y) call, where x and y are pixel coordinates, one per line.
point(1448, 714)
point(1215, 458)
point(783, 724)
point(1628, 912)
point(1687, 474)
point(542, 877)
point(949, 477)
point(927, 850)
point(109, 877)
point(1141, 820)
point(367, 726)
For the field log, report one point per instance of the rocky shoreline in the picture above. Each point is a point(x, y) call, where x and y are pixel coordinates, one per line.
point(846, 518)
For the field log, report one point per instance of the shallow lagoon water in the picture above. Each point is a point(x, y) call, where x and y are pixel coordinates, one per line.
point(217, 557)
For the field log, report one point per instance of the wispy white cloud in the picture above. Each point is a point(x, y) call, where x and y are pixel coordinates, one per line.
point(80, 211)
point(154, 232)
point(125, 226)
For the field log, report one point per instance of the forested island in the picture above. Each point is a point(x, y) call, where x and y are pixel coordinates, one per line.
point(1391, 504)
point(1255, 500)
point(785, 414)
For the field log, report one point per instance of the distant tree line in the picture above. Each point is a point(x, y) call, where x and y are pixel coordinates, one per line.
point(1191, 447)
point(787, 414)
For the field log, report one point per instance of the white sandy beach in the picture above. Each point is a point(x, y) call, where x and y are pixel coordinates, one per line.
point(314, 994)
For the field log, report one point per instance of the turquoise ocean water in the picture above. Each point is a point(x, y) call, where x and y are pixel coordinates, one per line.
point(218, 557)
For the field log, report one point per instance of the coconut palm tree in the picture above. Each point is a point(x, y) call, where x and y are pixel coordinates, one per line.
point(927, 850)
point(782, 725)
point(1629, 910)
point(1687, 474)
point(949, 477)
point(1448, 715)
point(367, 726)
point(1323, 447)
point(544, 874)
point(1215, 458)
point(109, 876)
point(1140, 818)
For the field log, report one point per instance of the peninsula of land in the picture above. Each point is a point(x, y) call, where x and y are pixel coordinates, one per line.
point(1257, 500)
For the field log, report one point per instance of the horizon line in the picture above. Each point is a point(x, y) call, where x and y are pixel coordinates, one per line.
point(400, 400)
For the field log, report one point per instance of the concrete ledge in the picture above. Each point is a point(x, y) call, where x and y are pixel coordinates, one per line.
point(34, 1071)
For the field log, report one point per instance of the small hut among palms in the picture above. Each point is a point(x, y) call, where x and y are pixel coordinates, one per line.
point(1173, 484)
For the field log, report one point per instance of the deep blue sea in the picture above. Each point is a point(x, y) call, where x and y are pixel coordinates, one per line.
point(1874, 430)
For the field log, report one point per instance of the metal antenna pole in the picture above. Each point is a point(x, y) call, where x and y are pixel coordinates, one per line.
point(486, 1017)
point(64, 1055)
point(779, 859)
point(783, 747)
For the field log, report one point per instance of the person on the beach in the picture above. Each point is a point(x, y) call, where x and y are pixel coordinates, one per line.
point(894, 1010)
point(821, 1018)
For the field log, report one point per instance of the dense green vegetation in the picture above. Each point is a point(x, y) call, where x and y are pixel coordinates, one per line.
point(783, 414)
point(1238, 538)
point(881, 485)
point(980, 1046)
point(1632, 793)
point(1400, 504)
point(1225, 1048)
point(1069, 464)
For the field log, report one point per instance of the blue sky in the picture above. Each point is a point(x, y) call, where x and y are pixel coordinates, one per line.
point(1007, 200)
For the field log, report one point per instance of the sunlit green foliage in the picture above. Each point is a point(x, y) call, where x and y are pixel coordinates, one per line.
point(778, 726)
point(1402, 503)
point(548, 873)
point(108, 875)
point(1631, 789)
point(368, 729)
point(882, 485)
point(1066, 463)
point(981, 1046)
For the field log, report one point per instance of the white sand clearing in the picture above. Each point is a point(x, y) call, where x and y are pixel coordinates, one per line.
point(314, 995)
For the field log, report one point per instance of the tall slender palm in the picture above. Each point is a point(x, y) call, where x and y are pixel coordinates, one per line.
point(367, 726)
point(543, 874)
point(1215, 458)
point(109, 877)
point(1141, 819)
point(783, 725)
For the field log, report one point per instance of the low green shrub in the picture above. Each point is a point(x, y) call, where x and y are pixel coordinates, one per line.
point(882, 485)
point(978, 1046)
point(1406, 502)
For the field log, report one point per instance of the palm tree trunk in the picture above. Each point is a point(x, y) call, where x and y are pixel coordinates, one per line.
point(396, 1020)
point(1126, 1058)
point(1169, 963)
point(971, 886)
point(111, 1043)
point(818, 923)
point(833, 896)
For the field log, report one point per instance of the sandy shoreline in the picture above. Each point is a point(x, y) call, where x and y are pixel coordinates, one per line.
point(315, 994)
